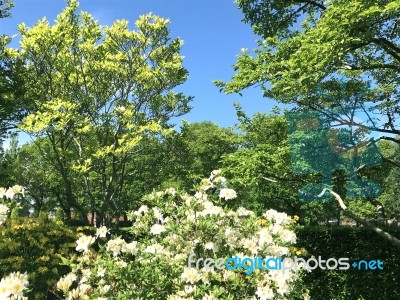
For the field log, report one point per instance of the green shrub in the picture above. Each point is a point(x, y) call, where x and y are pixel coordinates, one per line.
point(356, 243)
point(34, 245)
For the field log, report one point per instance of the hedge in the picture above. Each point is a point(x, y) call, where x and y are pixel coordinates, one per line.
point(356, 243)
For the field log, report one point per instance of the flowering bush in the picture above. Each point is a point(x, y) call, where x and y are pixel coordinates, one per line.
point(35, 246)
point(168, 228)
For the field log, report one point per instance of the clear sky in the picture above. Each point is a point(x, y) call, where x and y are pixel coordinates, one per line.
point(213, 35)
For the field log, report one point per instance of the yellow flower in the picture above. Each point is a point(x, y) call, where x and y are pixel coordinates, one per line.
point(262, 222)
point(42, 270)
point(44, 258)
point(295, 219)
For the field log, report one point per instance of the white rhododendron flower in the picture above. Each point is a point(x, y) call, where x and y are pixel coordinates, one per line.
point(220, 180)
point(241, 211)
point(265, 237)
point(250, 244)
point(157, 229)
point(14, 285)
point(101, 232)
point(227, 194)
point(189, 289)
point(211, 246)
point(3, 213)
point(18, 189)
point(191, 275)
point(116, 246)
point(2, 192)
point(170, 191)
point(155, 248)
point(264, 293)
point(104, 289)
point(205, 185)
point(65, 282)
point(211, 209)
point(74, 294)
point(200, 196)
point(288, 236)
point(279, 218)
point(209, 297)
point(84, 242)
point(142, 210)
point(131, 248)
point(10, 193)
point(101, 271)
point(214, 174)
point(121, 263)
point(158, 215)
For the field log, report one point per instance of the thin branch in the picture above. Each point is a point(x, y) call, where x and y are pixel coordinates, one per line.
point(371, 67)
point(348, 213)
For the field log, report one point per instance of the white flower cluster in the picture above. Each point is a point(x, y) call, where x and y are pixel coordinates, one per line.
point(227, 194)
point(9, 194)
point(3, 213)
point(116, 247)
point(84, 242)
point(224, 233)
point(65, 283)
point(169, 231)
point(12, 191)
point(13, 286)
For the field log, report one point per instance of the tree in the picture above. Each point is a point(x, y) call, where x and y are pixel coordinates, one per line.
point(197, 150)
point(5, 6)
point(307, 46)
point(306, 50)
point(96, 92)
point(179, 160)
point(34, 168)
point(262, 169)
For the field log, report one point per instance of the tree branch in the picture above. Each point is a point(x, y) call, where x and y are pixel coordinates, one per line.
point(348, 213)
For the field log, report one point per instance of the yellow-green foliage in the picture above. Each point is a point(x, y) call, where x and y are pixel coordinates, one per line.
point(35, 245)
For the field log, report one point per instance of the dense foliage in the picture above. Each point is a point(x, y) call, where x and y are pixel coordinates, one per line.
point(98, 102)
point(35, 246)
point(356, 243)
point(170, 228)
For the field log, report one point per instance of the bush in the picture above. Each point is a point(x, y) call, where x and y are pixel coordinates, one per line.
point(169, 228)
point(35, 246)
point(356, 243)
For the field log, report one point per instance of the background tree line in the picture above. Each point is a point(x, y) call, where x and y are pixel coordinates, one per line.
point(99, 106)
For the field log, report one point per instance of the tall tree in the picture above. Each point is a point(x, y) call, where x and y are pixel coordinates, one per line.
point(5, 6)
point(96, 92)
point(197, 150)
point(307, 46)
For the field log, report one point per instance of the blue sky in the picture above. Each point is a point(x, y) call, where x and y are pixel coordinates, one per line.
point(211, 29)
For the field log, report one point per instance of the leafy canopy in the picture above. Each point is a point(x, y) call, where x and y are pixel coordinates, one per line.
point(95, 92)
point(307, 44)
